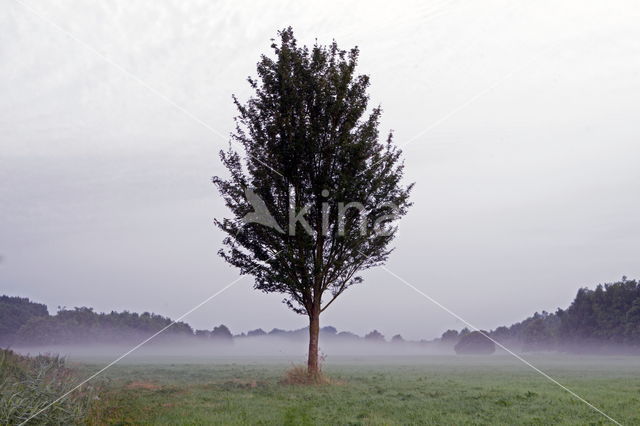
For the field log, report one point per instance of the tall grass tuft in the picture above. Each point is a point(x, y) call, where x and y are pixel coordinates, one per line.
point(299, 375)
point(29, 384)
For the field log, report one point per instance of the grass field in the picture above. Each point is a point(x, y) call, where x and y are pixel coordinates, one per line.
point(399, 390)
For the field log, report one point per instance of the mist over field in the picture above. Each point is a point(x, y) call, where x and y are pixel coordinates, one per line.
point(241, 349)
point(269, 349)
point(175, 246)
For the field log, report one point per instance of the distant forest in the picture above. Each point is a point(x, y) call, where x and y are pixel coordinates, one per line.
point(606, 319)
point(603, 320)
point(27, 323)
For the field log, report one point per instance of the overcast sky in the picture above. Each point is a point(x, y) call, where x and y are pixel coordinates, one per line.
point(519, 122)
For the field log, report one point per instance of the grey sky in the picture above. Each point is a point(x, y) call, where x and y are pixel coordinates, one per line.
point(528, 191)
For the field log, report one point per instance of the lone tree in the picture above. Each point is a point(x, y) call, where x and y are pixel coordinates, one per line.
point(315, 195)
point(222, 334)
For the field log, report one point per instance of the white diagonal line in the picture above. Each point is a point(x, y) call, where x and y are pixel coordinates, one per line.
point(444, 118)
point(518, 357)
point(134, 77)
point(115, 361)
point(142, 343)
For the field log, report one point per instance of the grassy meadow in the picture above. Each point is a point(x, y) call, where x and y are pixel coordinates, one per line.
point(370, 391)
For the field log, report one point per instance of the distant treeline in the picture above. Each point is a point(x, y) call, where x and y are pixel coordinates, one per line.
point(27, 323)
point(23, 322)
point(606, 319)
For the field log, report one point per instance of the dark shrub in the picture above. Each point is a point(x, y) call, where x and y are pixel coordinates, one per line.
point(222, 333)
point(475, 343)
point(375, 336)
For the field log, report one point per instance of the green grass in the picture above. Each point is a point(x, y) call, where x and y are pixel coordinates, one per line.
point(31, 386)
point(432, 390)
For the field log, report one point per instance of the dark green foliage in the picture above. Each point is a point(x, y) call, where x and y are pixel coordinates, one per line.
point(221, 333)
point(374, 336)
point(607, 314)
point(475, 342)
point(347, 335)
point(83, 325)
point(310, 144)
point(329, 330)
point(450, 336)
point(307, 130)
point(605, 319)
point(397, 339)
point(14, 313)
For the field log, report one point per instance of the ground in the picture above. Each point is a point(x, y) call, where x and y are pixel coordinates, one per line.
point(456, 390)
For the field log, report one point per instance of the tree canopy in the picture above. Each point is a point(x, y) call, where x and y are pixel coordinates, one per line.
point(606, 318)
point(314, 193)
point(475, 342)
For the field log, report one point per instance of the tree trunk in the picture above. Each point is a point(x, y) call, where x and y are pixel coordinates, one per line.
point(313, 369)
